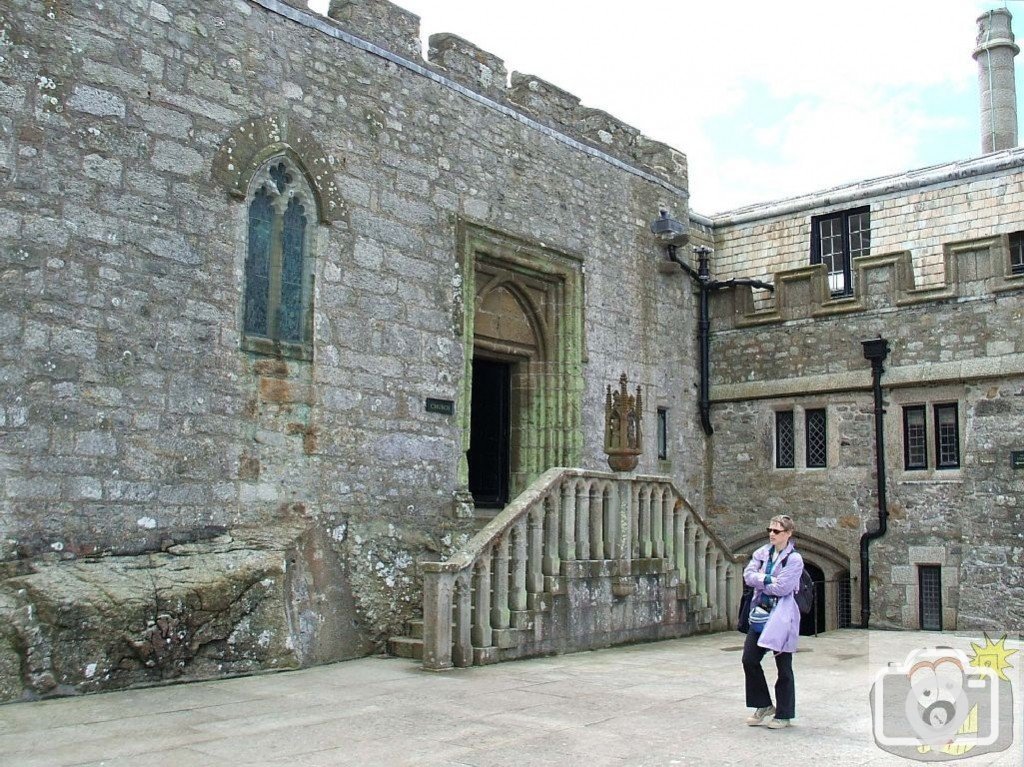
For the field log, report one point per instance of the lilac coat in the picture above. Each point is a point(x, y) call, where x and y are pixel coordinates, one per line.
point(782, 631)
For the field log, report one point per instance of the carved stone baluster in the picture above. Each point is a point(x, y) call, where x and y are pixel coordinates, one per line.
point(462, 646)
point(596, 522)
point(481, 634)
point(669, 528)
point(550, 524)
point(691, 553)
point(499, 598)
point(437, 620)
point(701, 566)
point(711, 579)
point(537, 558)
point(610, 517)
point(517, 595)
point(679, 536)
point(568, 521)
point(636, 494)
point(645, 523)
point(723, 589)
point(583, 520)
point(658, 495)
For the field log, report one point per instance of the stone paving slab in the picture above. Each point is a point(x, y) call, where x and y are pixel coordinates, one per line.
point(678, 702)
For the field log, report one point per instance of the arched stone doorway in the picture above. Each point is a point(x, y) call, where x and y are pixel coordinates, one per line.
point(523, 345)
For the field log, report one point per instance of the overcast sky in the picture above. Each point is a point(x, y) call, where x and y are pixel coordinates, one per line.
point(767, 99)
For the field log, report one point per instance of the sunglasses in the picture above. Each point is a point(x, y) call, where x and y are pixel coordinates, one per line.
point(773, 531)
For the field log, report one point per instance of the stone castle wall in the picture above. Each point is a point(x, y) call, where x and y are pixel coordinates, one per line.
point(131, 420)
point(955, 342)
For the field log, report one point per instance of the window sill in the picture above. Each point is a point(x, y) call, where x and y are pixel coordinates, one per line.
point(269, 348)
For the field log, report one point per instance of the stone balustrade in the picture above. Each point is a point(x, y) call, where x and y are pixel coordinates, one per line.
point(579, 560)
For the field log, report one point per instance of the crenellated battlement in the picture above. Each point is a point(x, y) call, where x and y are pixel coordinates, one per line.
point(973, 269)
point(469, 65)
point(380, 22)
point(396, 30)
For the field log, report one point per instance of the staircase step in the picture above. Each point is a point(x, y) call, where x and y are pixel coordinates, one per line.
point(415, 627)
point(406, 647)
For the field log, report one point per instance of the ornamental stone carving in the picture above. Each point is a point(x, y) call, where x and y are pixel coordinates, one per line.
point(623, 437)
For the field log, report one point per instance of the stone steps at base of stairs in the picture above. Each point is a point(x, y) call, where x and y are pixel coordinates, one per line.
point(406, 647)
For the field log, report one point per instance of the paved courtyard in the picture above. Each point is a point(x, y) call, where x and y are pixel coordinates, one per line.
point(677, 702)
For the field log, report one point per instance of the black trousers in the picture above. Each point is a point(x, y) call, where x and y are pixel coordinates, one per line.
point(757, 687)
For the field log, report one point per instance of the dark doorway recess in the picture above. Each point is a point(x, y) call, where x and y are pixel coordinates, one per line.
point(489, 432)
point(814, 621)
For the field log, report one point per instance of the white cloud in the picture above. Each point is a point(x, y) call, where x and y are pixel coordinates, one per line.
point(868, 85)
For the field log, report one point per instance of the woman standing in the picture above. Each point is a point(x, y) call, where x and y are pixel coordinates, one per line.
point(774, 574)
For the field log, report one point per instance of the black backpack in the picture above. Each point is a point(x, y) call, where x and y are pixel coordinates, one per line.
point(805, 592)
point(804, 599)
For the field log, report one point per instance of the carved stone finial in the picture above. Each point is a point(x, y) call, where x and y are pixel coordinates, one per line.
point(623, 437)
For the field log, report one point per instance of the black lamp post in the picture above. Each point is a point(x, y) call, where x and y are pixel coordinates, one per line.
point(673, 234)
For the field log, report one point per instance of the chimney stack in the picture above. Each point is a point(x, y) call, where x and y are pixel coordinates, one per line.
point(994, 54)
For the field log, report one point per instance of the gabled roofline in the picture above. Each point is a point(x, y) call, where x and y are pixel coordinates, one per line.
point(860, 191)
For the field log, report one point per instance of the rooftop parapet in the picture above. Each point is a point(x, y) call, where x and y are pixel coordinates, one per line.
point(468, 65)
point(381, 23)
point(546, 102)
point(974, 269)
point(662, 160)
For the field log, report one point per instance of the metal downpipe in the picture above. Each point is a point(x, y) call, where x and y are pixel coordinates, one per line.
point(875, 350)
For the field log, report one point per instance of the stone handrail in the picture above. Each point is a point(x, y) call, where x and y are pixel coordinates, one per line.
point(485, 597)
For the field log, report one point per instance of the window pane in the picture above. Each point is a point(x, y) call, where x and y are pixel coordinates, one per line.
point(915, 446)
point(947, 437)
point(662, 433)
point(930, 585)
point(816, 439)
point(784, 453)
point(289, 320)
point(832, 255)
point(257, 264)
point(1017, 252)
point(860, 234)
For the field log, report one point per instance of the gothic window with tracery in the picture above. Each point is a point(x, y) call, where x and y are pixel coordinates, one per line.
point(277, 317)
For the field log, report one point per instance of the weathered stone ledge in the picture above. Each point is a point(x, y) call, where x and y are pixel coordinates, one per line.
point(925, 374)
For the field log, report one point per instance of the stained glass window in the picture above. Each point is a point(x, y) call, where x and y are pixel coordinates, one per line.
point(277, 264)
point(257, 264)
point(290, 310)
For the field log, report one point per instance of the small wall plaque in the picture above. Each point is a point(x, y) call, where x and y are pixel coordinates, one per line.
point(440, 406)
point(1017, 459)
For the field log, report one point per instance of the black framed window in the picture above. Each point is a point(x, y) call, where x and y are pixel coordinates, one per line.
point(837, 239)
point(929, 578)
point(1017, 252)
point(915, 438)
point(662, 434)
point(817, 438)
point(785, 455)
point(947, 437)
point(844, 600)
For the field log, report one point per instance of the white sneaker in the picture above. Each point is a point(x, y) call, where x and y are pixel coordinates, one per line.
point(779, 724)
point(760, 715)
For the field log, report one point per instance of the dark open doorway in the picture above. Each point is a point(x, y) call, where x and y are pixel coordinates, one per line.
point(814, 621)
point(489, 464)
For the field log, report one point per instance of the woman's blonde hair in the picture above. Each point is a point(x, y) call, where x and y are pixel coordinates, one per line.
point(785, 522)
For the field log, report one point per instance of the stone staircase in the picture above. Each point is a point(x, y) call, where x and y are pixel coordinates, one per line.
point(580, 560)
